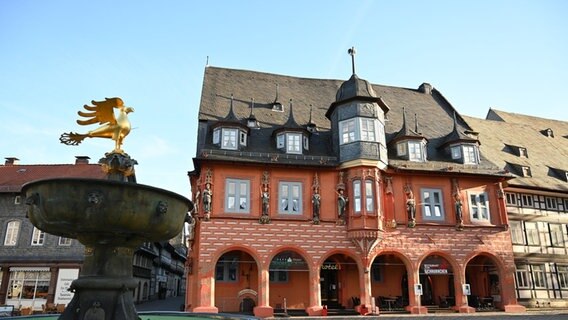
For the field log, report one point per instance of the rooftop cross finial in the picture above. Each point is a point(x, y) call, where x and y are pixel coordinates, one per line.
point(352, 53)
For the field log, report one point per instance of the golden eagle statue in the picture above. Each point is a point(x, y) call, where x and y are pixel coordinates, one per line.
point(112, 127)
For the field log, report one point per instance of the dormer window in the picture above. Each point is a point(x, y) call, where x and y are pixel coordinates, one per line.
point(412, 150)
point(229, 138)
point(526, 171)
point(292, 142)
point(465, 153)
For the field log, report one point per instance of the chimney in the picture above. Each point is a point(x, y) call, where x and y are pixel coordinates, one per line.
point(425, 88)
point(10, 161)
point(82, 160)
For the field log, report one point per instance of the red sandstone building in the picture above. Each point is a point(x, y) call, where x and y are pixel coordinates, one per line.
point(343, 194)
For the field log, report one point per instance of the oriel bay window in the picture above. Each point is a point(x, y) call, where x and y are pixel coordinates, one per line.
point(361, 129)
point(364, 196)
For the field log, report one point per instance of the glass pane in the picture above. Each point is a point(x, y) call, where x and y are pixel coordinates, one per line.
point(357, 188)
point(243, 205)
point(436, 197)
point(357, 204)
point(427, 197)
point(437, 211)
point(427, 211)
point(243, 189)
point(231, 188)
point(231, 202)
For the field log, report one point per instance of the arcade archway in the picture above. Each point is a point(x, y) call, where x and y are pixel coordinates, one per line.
point(339, 282)
point(289, 277)
point(236, 282)
point(482, 274)
point(389, 282)
point(437, 279)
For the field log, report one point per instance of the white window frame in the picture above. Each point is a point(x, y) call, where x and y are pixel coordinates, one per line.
point(522, 277)
point(357, 196)
point(234, 198)
point(360, 129)
point(479, 205)
point(517, 234)
point(63, 241)
point(294, 143)
point(456, 152)
point(556, 234)
point(401, 149)
point(432, 210)
point(562, 271)
point(369, 196)
point(511, 198)
point(539, 276)
point(216, 136)
point(416, 151)
point(38, 237)
point(229, 135)
point(12, 233)
point(470, 154)
point(347, 131)
point(532, 233)
point(280, 141)
point(243, 138)
point(306, 143)
point(290, 198)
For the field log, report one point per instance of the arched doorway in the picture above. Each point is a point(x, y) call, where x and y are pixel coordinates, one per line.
point(389, 282)
point(339, 282)
point(289, 286)
point(236, 272)
point(437, 279)
point(482, 275)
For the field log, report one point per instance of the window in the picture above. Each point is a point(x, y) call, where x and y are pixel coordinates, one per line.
point(526, 171)
point(479, 206)
point(516, 232)
point(12, 230)
point(511, 198)
point(347, 131)
point(470, 155)
point(294, 143)
point(237, 195)
point(523, 152)
point(369, 196)
point(65, 241)
point(531, 231)
point(556, 237)
point(401, 149)
point(243, 138)
point(562, 276)
point(415, 151)
point(360, 129)
point(28, 284)
point(216, 136)
point(227, 268)
point(466, 152)
point(280, 141)
point(432, 208)
point(551, 203)
point(368, 130)
point(527, 200)
point(38, 237)
point(278, 276)
point(357, 196)
point(522, 276)
point(229, 139)
point(290, 197)
point(538, 276)
point(306, 143)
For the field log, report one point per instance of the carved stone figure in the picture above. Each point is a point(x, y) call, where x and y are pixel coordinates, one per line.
point(265, 196)
point(459, 211)
point(316, 202)
point(410, 206)
point(207, 199)
point(341, 205)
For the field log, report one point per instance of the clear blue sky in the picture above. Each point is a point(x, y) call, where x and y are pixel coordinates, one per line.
point(57, 55)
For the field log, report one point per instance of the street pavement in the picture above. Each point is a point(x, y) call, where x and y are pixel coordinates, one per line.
point(175, 304)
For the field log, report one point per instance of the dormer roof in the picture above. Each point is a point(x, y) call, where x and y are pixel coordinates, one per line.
point(406, 132)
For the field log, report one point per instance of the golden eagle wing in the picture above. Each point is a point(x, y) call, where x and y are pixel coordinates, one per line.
point(101, 112)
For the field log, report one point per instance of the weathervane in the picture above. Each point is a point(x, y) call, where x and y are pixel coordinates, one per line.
point(112, 127)
point(352, 53)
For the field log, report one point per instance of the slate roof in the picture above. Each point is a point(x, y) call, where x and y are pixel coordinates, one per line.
point(434, 113)
point(13, 177)
point(502, 132)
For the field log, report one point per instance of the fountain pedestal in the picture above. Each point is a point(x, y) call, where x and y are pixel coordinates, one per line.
point(112, 219)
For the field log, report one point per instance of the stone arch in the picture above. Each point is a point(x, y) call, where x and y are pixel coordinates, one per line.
point(289, 269)
point(485, 272)
point(440, 286)
point(341, 273)
point(392, 292)
point(236, 276)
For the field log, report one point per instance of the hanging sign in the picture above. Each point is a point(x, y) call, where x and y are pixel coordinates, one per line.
point(435, 268)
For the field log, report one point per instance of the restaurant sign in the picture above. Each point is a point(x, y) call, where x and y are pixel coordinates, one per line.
point(430, 268)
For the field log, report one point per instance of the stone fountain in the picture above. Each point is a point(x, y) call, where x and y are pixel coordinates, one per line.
point(112, 218)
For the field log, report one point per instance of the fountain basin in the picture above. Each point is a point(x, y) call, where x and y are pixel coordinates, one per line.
point(105, 212)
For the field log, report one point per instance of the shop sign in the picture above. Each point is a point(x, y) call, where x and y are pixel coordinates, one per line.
point(331, 266)
point(64, 279)
point(435, 269)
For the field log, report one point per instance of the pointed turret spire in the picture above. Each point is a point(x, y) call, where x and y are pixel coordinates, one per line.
point(251, 121)
point(276, 105)
point(231, 116)
point(311, 126)
point(291, 123)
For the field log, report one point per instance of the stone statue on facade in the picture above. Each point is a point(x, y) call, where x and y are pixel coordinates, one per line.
point(410, 206)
